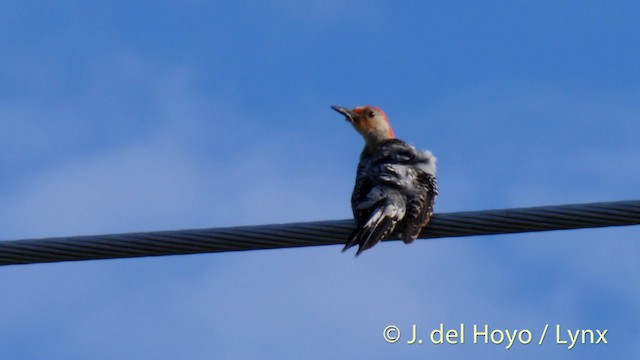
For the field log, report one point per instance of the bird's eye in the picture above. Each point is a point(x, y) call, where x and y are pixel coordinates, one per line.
point(372, 114)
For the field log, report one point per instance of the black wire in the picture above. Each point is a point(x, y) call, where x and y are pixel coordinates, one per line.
point(331, 232)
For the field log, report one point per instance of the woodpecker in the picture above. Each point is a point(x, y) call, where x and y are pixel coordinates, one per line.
point(395, 185)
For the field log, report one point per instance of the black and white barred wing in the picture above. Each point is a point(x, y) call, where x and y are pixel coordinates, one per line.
point(394, 190)
point(421, 197)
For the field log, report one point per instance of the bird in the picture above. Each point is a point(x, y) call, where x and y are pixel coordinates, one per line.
point(395, 187)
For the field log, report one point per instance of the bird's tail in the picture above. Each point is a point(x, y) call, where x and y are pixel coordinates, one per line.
point(380, 224)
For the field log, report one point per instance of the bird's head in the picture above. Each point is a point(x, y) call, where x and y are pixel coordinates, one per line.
point(370, 121)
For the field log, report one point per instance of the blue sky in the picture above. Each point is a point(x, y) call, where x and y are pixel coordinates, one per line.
point(141, 116)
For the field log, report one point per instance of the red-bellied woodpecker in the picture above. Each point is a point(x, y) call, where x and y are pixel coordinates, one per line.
point(395, 183)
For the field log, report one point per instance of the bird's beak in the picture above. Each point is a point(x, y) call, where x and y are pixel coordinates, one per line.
point(348, 114)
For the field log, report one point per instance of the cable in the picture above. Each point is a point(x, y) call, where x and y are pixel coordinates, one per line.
point(331, 232)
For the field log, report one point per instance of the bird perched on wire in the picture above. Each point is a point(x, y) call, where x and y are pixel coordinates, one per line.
point(395, 185)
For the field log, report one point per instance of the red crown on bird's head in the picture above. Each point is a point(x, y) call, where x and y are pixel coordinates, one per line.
point(369, 116)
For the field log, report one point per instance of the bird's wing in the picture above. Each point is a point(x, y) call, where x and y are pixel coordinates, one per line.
point(393, 181)
point(420, 206)
point(377, 207)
